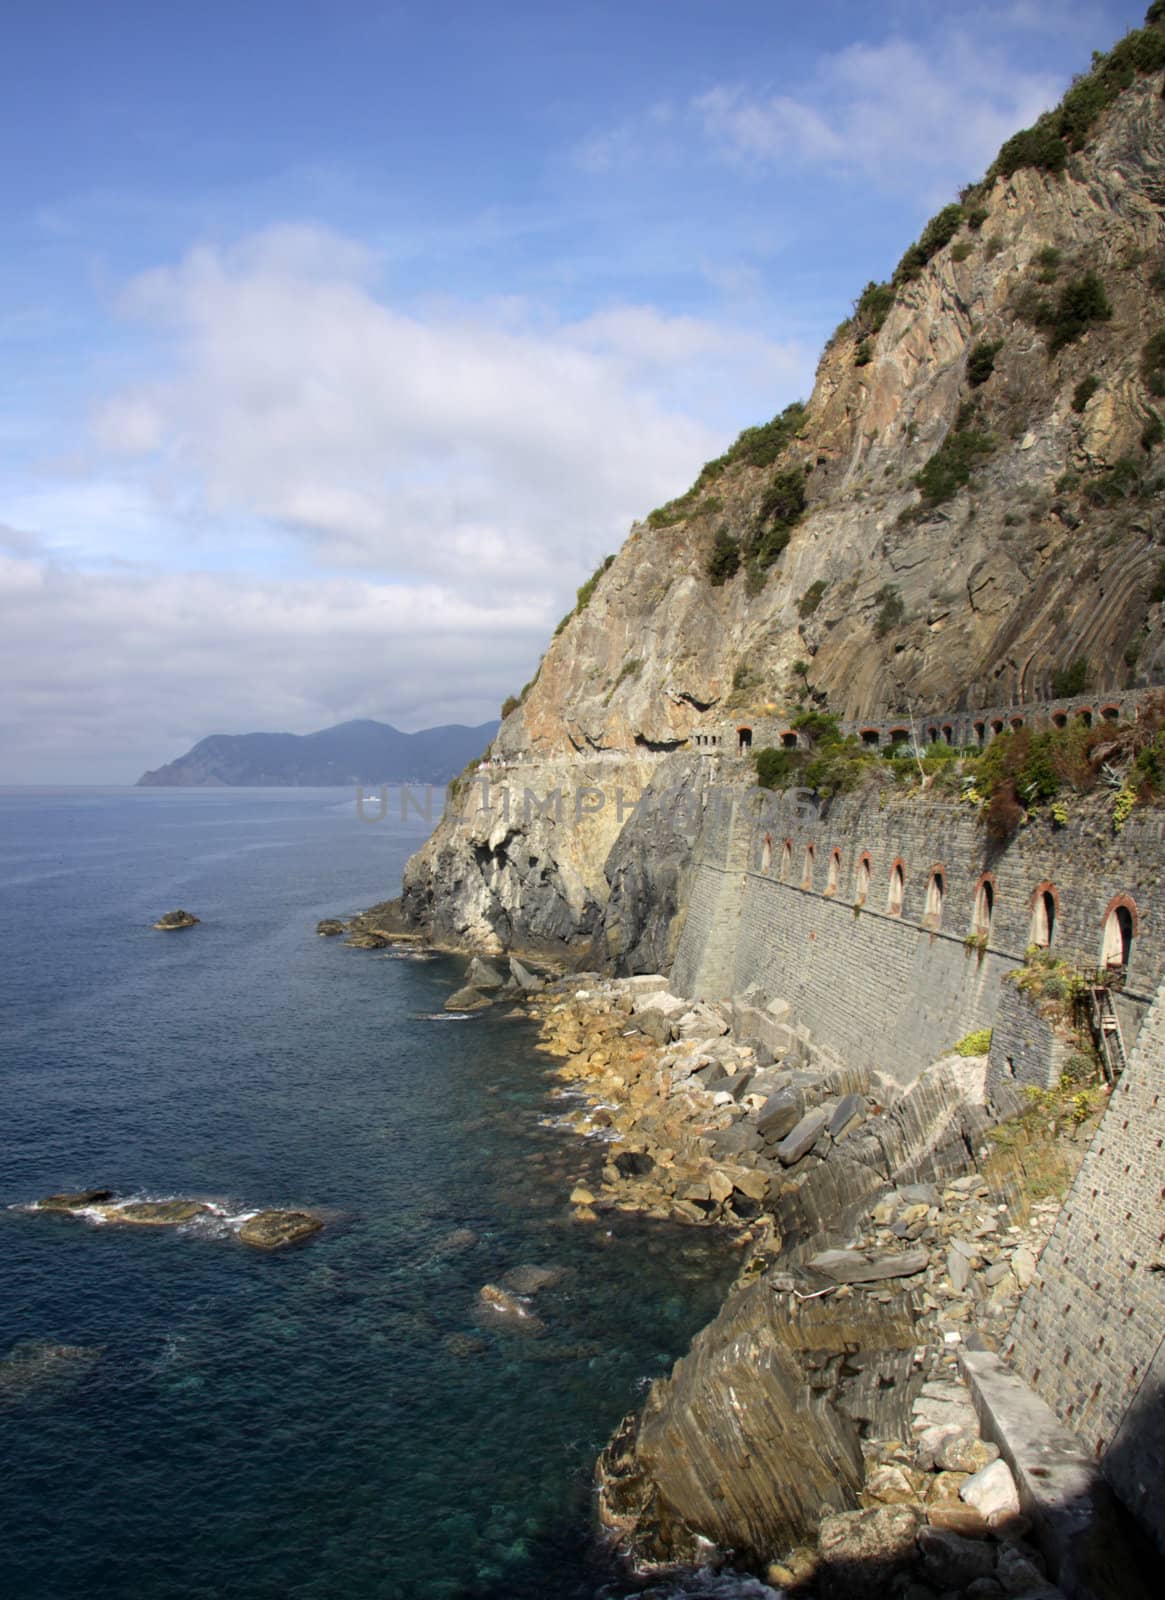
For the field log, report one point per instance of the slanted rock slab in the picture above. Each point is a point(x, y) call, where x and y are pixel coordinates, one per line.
point(803, 1137)
point(860, 1266)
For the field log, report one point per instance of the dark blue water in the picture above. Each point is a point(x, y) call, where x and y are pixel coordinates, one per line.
point(308, 1423)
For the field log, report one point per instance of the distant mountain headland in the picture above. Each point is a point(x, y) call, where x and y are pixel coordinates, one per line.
point(351, 752)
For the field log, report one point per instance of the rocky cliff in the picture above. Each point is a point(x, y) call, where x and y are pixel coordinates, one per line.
point(968, 504)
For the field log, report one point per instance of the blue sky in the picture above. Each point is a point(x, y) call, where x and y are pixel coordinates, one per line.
point(339, 341)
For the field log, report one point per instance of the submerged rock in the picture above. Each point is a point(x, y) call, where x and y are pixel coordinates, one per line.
point(329, 927)
point(176, 919)
point(36, 1369)
point(530, 1279)
point(498, 1308)
point(453, 1243)
point(271, 1230)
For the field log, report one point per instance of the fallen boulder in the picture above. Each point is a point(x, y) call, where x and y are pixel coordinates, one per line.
point(861, 1266)
point(803, 1137)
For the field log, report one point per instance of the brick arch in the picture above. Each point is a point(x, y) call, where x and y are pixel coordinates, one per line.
point(1130, 906)
point(1119, 927)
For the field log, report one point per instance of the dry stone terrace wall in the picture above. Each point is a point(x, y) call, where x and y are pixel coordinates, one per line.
point(773, 903)
point(1089, 1332)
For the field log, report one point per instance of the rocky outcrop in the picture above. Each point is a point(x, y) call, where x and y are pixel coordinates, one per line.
point(171, 920)
point(274, 1230)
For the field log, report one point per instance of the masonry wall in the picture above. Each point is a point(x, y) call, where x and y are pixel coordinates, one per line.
point(1026, 1051)
point(891, 990)
point(1088, 1334)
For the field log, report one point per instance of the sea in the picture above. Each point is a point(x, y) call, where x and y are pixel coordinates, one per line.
point(183, 1417)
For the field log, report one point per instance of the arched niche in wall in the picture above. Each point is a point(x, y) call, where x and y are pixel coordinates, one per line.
point(810, 863)
point(936, 886)
point(897, 888)
point(862, 878)
point(984, 907)
point(834, 872)
point(1044, 914)
point(1120, 926)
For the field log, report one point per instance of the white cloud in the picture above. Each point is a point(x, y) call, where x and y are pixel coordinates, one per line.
point(107, 673)
point(898, 113)
point(319, 503)
point(409, 439)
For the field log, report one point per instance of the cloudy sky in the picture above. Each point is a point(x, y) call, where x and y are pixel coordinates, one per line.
point(340, 339)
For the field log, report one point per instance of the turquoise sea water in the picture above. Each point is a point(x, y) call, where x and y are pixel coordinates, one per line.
point(306, 1424)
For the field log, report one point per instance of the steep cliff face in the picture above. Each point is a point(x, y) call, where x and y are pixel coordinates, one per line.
point(1019, 573)
point(969, 502)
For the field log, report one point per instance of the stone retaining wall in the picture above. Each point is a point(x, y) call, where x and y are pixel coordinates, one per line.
point(1089, 1333)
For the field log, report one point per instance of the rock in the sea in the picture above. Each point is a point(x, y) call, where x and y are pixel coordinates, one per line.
point(464, 1345)
point(483, 975)
point(271, 1230)
point(531, 1279)
point(176, 919)
point(362, 939)
point(467, 999)
point(76, 1201)
point(329, 927)
point(453, 1243)
point(37, 1370)
point(156, 1213)
point(498, 1308)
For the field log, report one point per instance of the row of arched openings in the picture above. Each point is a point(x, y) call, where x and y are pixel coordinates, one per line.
point(1120, 921)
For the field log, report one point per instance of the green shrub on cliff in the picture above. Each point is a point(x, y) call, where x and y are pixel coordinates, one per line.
point(951, 466)
point(724, 562)
point(938, 233)
point(981, 361)
point(974, 1044)
point(1048, 144)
